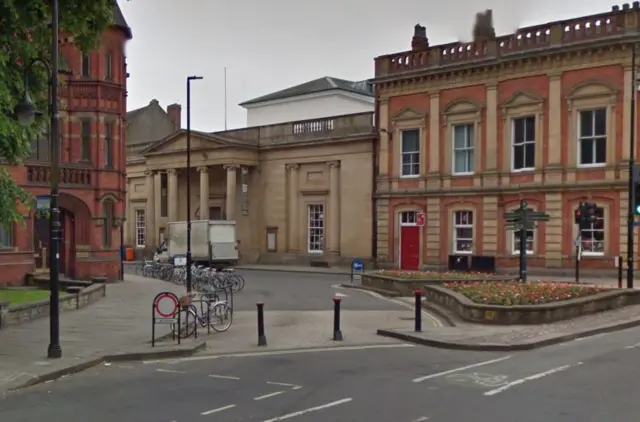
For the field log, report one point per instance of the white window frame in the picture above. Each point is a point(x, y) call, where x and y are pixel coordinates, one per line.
point(593, 230)
point(455, 226)
point(141, 227)
point(591, 138)
point(315, 242)
point(409, 218)
point(412, 153)
point(469, 148)
point(522, 144)
point(515, 249)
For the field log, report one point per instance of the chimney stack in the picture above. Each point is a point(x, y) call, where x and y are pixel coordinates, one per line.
point(175, 112)
point(419, 42)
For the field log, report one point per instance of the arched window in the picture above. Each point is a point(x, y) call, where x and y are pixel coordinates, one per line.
point(108, 208)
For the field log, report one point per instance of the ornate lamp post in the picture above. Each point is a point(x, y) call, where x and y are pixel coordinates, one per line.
point(26, 113)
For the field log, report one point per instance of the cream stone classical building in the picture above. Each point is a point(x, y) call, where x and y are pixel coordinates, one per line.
point(298, 191)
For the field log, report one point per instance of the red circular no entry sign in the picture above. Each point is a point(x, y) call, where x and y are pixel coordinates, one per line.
point(166, 305)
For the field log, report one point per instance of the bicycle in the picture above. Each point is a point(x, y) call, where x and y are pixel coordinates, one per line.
point(212, 310)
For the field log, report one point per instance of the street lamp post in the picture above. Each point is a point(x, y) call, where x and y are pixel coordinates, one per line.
point(632, 161)
point(26, 112)
point(189, 79)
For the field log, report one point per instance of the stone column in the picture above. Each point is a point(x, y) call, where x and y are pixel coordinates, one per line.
point(172, 182)
point(150, 210)
point(232, 179)
point(204, 192)
point(129, 223)
point(333, 220)
point(292, 229)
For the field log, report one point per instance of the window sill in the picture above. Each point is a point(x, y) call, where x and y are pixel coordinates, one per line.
point(463, 253)
point(594, 254)
point(409, 176)
point(523, 170)
point(529, 253)
point(316, 252)
point(592, 166)
point(463, 174)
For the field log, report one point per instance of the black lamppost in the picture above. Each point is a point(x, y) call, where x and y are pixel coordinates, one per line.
point(189, 79)
point(26, 112)
point(632, 162)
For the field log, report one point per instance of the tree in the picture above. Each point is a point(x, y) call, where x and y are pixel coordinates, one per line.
point(25, 34)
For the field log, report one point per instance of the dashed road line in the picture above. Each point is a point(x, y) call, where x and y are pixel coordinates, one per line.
point(219, 409)
point(266, 396)
point(530, 378)
point(633, 346)
point(422, 419)
point(170, 371)
point(309, 410)
point(462, 368)
point(282, 384)
point(224, 377)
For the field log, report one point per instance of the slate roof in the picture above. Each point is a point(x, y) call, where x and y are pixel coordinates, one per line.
point(327, 83)
point(119, 21)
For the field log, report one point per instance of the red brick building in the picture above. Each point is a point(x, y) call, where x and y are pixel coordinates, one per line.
point(92, 169)
point(469, 129)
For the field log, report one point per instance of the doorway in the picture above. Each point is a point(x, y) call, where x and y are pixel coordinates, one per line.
point(42, 242)
point(409, 241)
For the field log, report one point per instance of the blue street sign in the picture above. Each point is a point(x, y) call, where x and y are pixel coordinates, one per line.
point(358, 265)
point(636, 224)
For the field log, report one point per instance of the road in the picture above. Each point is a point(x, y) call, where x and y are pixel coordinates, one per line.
point(287, 291)
point(592, 380)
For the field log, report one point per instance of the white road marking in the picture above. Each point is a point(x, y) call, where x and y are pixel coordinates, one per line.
point(436, 321)
point(266, 396)
point(224, 377)
point(280, 352)
point(311, 409)
point(529, 378)
point(170, 371)
point(219, 409)
point(462, 368)
point(340, 295)
point(422, 419)
point(633, 346)
point(282, 384)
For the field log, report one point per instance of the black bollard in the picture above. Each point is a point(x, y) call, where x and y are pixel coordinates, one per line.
point(337, 332)
point(262, 339)
point(619, 272)
point(418, 319)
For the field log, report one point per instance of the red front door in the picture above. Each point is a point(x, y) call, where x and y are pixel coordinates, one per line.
point(410, 248)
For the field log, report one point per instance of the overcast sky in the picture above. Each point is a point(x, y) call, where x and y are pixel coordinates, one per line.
point(268, 45)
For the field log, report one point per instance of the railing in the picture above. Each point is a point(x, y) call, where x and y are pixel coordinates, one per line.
point(555, 34)
point(40, 174)
point(306, 130)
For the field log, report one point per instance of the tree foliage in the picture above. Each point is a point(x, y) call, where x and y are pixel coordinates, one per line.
point(25, 35)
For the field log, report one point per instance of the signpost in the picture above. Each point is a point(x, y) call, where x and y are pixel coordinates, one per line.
point(165, 310)
point(357, 269)
point(522, 220)
point(179, 260)
point(578, 244)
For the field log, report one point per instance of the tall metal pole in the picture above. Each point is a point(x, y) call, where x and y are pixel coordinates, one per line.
point(225, 98)
point(189, 79)
point(632, 161)
point(54, 350)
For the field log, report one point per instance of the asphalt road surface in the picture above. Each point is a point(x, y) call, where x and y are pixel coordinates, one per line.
point(288, 291)
point(592, 380)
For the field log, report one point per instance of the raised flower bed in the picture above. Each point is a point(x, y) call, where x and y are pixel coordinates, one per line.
point(406, 282)
point(504, 303)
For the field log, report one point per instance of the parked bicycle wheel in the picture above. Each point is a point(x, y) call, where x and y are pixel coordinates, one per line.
point(237, 282)
point(220, 317)
point(188, 324)
point(147, 271)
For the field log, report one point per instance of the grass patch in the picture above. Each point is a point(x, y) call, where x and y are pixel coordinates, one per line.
point(514, 293)
point(432, 275)
point(22, 296)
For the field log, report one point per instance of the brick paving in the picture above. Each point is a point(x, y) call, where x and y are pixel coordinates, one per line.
point(479, 334)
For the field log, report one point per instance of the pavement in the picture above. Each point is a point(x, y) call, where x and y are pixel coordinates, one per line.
point(587, 380)
point(298, 313)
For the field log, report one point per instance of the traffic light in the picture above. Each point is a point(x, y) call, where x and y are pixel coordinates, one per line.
point(585, 215)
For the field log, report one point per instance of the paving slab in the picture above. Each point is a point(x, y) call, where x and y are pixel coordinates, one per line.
point(466, 336)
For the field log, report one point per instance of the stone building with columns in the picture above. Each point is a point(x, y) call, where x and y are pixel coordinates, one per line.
point(467, 130)
point(298, 191)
